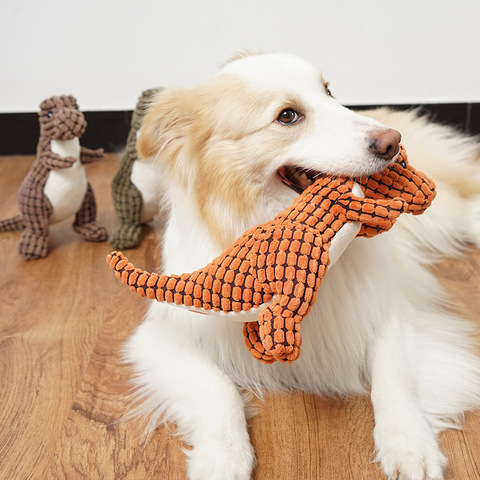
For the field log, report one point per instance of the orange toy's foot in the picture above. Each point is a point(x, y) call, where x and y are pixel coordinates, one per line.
point(286, 354)
point(281, 353)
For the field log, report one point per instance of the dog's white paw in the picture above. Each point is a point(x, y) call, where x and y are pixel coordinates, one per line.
point(405, 455)
point(217, 460)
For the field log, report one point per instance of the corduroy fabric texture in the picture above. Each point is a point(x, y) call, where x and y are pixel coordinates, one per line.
point(277, 267)
point(59, 119)
point(127, 199)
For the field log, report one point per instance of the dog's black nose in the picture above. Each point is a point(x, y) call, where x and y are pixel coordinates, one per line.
point(385, 143)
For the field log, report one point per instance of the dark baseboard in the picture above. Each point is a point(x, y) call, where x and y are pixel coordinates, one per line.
point(109, 130)
point(463, 116)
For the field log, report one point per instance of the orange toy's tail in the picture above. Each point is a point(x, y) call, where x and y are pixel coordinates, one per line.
point(207, 290)
point(156, 287)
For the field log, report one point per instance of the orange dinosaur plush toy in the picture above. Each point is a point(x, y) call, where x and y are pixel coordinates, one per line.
point(276, 268)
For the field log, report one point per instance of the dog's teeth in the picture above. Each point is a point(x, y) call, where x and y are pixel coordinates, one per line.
point(303, 179)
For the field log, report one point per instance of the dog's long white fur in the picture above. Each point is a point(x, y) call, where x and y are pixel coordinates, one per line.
point(379, 319)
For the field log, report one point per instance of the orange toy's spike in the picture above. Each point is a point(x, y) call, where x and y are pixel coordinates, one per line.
point(277, 267)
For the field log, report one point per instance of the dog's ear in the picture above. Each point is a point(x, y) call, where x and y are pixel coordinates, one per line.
point(166, 123)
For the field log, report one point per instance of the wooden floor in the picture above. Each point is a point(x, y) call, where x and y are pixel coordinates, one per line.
point(63, 321)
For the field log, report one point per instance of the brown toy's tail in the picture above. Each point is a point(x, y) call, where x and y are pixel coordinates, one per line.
point(12, 224)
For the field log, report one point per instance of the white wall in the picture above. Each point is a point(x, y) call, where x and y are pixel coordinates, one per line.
point(106, 52)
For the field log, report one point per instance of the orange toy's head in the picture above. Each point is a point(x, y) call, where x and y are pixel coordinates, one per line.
point(401, 180)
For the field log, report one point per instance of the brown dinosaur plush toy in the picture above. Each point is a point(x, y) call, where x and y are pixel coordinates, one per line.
point(277, 267)
point(56, 185)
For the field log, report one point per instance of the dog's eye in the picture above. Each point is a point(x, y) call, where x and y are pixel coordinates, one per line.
point(49, 114)
point(288, 116)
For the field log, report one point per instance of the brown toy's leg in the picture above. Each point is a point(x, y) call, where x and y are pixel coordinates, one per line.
point(33, 246)
point(85, 224)
point(36, 211)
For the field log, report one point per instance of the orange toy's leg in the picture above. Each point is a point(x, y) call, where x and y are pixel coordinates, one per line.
point(294, 279)
point(276, 336)
point(254, 343)
point(279, 327)
point(376, 216)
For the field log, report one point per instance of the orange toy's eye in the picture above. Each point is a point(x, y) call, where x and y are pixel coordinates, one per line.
point(327, 89)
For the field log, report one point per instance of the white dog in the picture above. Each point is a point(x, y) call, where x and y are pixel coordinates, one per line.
point(378, 320)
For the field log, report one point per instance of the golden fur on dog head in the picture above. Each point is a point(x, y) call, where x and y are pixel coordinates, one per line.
point(216, 141)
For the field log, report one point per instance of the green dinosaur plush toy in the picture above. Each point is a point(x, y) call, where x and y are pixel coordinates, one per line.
point(134, 189)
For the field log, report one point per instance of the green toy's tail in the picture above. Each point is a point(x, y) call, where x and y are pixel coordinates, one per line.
point(12, 224)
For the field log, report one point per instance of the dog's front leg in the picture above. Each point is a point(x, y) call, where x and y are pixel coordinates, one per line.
point(181, 382)
point(406, 444)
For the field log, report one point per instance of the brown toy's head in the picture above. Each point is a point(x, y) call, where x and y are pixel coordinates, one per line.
point(60, 118)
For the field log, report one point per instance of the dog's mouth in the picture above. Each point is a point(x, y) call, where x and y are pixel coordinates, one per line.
point(297, 178)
